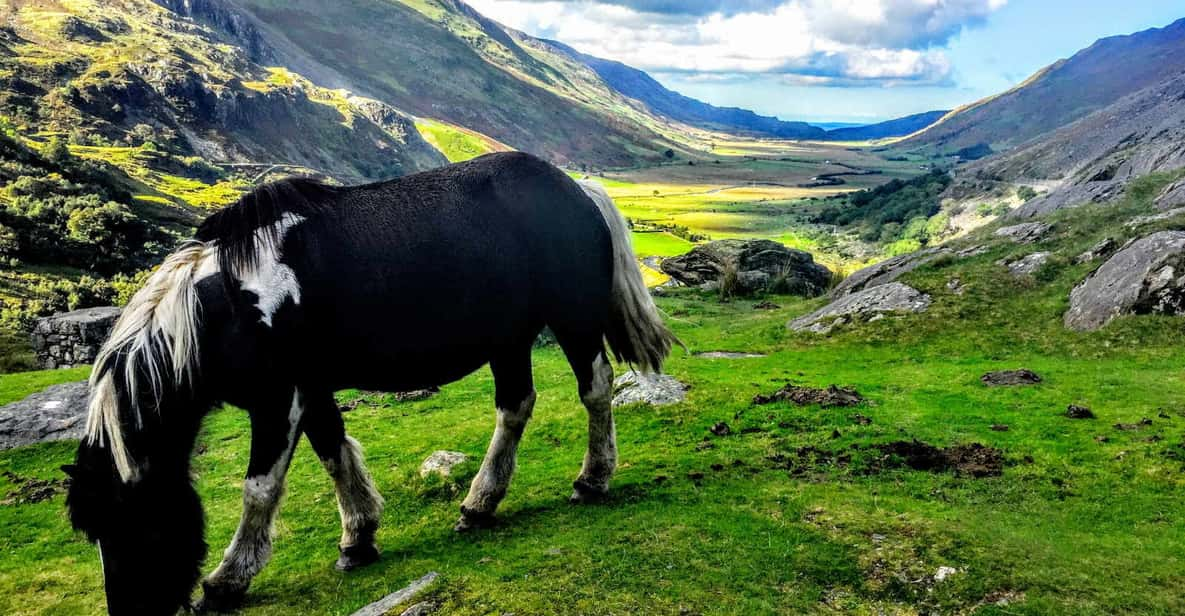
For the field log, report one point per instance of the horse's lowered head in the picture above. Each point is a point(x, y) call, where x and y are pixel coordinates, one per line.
point(149, 531)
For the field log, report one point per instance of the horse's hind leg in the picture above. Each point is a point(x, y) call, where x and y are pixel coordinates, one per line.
point(358, 502)
point(594, 378)
point(515, 399)
point(275, 430)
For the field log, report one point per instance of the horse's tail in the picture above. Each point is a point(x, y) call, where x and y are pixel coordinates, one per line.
point(636, 332)
point(152, 350)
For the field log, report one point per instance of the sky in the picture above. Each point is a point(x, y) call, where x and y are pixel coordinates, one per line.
point(833, 60)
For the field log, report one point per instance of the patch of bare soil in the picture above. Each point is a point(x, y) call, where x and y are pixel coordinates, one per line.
point(30, 490)
point(766, 305)
point(1009, 378)
point(970, 460)
point(831, 396)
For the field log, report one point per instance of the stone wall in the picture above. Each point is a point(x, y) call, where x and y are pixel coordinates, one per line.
point(70, 339)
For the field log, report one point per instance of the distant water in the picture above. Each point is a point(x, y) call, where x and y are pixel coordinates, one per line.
point(835, 125)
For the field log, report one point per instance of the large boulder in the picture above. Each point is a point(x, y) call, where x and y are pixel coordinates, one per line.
point(71, 339)
point(55, 414)
point(885, 272)
point(1025, 232)
point(867, 305)
point(654, 389)
point(1172, 197)
point(759, 263)
point(1145, 277)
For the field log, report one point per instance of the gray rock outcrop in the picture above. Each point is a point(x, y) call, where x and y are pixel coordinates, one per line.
point(71, 339)
point(55, 414)
point(442, 463)
point(866, 305)
point(1028, 264)
point(759, 264)
point(1145, 277)
point(654, 389)
point(1172, 197)
point(1025, 232)
point(1101, 249)
point(885, 272)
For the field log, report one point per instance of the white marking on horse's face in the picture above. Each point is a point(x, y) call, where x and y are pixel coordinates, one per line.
point(271, 281)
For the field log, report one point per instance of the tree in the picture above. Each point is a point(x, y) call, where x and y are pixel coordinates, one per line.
point(56, 151)
point(1025, 193)
point(669, 153)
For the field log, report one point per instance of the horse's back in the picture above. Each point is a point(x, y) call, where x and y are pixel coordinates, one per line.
point(421, 280)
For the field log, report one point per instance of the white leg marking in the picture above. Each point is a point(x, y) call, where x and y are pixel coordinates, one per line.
point(251, 547)
point(601, 458)
point(490, 484)
point(358, 502)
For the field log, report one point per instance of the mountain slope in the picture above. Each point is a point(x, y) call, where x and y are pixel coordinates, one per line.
point(103, 68)
point(891, 128)
point(440, 59)
point(1093, 159)
point(640, 86)
point(1064, 92)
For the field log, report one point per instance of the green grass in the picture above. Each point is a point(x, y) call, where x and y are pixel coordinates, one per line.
point(1072, 526)
point(456, 143)
point(659, 244)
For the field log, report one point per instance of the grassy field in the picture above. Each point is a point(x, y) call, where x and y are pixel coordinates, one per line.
point(794, 512)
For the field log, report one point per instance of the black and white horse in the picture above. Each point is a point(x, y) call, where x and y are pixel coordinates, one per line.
point(300, 290)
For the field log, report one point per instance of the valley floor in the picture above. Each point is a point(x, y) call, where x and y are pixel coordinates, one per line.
point(794, 512)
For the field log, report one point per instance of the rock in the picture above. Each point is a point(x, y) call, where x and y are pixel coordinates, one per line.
point(415, 394)
point(442, 463)
point(1008, 378)
point(423, 608)
point(1079, 412)
point(972, 251)
point(655, 389)
point(70, 339)
point(55, 414)
point(944, 572)
point(403, 595)
point(720, 428)
point(999, 427)
point(759, 263)
point(1028, 264)
point(1098, 250)
point(727, 355)
point(766, 305)
point(1025, 232)
point(884, 272)
point(863, 305)
point(1143, 220)
point(1173, 196)
point(955, 285)
point(1145, 277)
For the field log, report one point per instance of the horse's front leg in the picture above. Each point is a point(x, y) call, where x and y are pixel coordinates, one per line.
point(275, 431)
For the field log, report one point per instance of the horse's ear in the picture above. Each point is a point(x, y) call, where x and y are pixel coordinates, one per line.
point(71, 470)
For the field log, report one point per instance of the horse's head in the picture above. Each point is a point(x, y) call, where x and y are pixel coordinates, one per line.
point(149, 531)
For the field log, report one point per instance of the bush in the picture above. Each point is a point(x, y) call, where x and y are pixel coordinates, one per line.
point(1025, 193)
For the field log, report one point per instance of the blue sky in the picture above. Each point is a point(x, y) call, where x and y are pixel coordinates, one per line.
point(833, 60)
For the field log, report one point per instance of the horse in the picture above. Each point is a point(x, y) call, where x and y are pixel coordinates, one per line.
point(302, 289)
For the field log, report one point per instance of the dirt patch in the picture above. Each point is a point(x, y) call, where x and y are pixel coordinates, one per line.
point(972, 459)
point(1134, 426)
point(831, 396)
point(30, 490)
point(1010, 378)
point(767, 305)
point(1079, 412)
point(720, 428)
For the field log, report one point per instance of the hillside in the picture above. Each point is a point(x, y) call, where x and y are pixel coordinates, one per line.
point(124, 72)
point(638, 85)
point(892, 128)
point(440, 59)
point(1066, 91)
point(1094, 158)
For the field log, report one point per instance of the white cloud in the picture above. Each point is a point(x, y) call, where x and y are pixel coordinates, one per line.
point(826, 42)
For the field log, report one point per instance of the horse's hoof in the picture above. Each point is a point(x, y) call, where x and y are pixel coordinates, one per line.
point(586, 493)
point(472, 520)
point(356, 556)
point(219, 599)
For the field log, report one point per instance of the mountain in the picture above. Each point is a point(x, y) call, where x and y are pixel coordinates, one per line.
point(640, 86)
point(1059, 94)
point(442, 60)
point(883, 130)
point(1092, 159)
point(121, 73)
